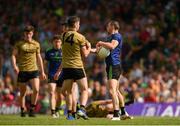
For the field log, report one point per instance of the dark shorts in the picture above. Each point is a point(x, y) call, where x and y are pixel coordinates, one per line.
point(58, 82)
point(25, 76)
point(113, 72)
point(73, 73)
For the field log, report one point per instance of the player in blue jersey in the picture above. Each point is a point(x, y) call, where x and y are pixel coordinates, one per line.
point(54, 56)
point(113, 68)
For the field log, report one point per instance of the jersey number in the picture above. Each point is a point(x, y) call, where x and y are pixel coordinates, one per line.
point(69, 39)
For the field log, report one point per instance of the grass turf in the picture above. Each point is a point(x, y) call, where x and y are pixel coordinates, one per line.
point(48, 120)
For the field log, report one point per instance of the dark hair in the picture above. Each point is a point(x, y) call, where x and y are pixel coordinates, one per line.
point(28, 28)
point(56, 37)
point(63, 22)
point(115, 24)
point(72, 20)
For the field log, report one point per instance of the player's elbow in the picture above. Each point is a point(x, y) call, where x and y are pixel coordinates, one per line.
point(110, 46)
point(13, 57)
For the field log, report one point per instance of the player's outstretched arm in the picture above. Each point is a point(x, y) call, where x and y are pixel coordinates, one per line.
point(93, 50)
point(109, 45)
point(102, 102)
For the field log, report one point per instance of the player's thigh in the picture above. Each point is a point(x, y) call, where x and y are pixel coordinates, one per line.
point(52, 87)
point(35, 84)
point(22, 88)
point(67, 85)
point(75, 91)
point(59, 92)
point(109, 107)
point(82, 83)
point(113, 84)
point(75, 88)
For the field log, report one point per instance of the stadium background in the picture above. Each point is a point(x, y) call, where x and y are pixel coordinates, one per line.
point(151, 48)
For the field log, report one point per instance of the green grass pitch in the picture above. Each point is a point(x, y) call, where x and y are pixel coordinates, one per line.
point(48, 120)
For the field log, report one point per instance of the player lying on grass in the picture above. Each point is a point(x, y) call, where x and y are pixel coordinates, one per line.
point(104, 108)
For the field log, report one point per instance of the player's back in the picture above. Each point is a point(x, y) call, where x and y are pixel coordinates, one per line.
point(72, 42)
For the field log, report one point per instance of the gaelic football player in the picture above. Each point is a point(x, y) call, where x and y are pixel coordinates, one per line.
point(113, 68)
point(54, 57)
point(74, 45)
point(25, 55)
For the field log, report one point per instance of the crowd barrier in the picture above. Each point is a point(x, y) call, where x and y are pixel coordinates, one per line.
point(154, 109)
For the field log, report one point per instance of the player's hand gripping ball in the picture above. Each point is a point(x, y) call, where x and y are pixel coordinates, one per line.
point(103, 52)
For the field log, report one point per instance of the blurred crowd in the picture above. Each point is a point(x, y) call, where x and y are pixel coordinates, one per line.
point(151, 43)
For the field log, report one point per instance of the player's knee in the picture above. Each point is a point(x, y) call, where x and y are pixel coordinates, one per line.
point(36, 91)
point(67, 91)
point(84, 88)
point(52, 93)
point(64, 93)
point(23, 94)
point(112, 92)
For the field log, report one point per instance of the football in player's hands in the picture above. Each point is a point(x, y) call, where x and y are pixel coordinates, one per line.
point(103, 52)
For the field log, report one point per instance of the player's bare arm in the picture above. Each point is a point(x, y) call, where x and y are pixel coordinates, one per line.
point(43, 75)
point(86, 49)
point(56, 76)
point(113, 44)
point(93, 50)
point(13, 58)
point(102, 102)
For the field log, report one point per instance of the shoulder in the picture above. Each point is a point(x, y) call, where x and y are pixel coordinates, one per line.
point(79, 35)
point(36, 43)
point(117, 35)
point(18, 43)
point(49, 50)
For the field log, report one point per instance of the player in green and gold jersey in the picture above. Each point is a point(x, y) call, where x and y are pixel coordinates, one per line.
point(26, 53)
point(74, 46)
